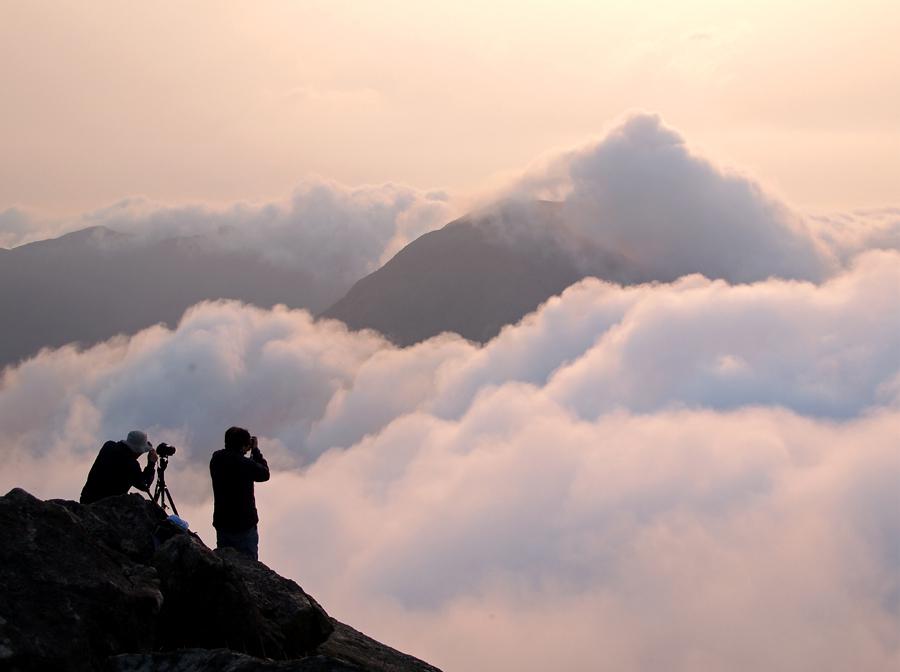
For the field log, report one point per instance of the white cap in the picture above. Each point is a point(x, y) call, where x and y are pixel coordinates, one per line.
point(137, 441)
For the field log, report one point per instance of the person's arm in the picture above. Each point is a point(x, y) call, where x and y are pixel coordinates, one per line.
point(144, 479)
point(256, 466)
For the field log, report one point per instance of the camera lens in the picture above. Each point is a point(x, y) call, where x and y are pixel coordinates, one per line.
point(165, 450)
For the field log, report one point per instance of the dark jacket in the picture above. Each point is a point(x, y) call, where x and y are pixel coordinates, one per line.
point(233, 476)
point(115, 470)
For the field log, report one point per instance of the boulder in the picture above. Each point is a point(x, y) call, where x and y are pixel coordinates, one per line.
point(67, 602)
point(114, 585)
point(127, 523)
point(300, 623)
point(354, 647)
point(223, 599)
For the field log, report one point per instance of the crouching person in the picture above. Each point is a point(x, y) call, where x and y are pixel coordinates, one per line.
point(233, 475)
point(116, 468)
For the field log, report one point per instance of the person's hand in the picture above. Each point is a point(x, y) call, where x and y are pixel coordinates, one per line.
point(254, 448)
point(152, 457)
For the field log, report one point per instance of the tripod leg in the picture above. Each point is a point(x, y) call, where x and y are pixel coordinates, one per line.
point(171, 501)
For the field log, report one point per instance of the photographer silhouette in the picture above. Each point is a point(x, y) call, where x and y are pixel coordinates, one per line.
point(116, 469)
point(233, 475)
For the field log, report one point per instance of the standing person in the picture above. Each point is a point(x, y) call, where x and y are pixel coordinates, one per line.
point(233, 475)
point(116, 468)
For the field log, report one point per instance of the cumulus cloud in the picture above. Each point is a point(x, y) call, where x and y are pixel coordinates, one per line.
point(640, 192)
point(848, 234)
point(17, 226)
point(325, 228)
point(334, 232)
point(518, 538)
point(685, 475)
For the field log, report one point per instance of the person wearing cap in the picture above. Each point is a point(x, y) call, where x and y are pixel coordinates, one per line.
point(116, 468)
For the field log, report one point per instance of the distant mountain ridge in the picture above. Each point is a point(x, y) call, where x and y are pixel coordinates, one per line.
point(91, 284)
point(471, 277)
point(476, 275)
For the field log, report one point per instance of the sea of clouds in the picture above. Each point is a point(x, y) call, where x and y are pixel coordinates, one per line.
point(696, 473)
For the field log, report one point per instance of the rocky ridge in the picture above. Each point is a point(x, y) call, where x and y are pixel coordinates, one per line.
point(115, 586)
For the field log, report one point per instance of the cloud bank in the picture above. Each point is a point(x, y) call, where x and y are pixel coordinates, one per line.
point(684, 474)
point(851, 233)
point(642, 193)
point(695, 473)
point(336, 233)
point(16, 228)
point(639, 192)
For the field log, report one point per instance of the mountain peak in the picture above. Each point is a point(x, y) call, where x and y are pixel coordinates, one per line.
point(92, 236)
point(477, 274)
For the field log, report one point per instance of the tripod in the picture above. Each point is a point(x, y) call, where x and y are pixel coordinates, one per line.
point(162, 490)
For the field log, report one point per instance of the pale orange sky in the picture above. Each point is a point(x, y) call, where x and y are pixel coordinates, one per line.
point(220, 101)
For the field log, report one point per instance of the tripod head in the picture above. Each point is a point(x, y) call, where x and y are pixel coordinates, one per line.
point(161, 494)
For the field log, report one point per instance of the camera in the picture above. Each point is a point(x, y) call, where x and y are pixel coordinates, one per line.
point(254, 448)
point(165, 450)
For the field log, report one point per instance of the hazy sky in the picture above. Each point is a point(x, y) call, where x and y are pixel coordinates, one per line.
point(218, 101)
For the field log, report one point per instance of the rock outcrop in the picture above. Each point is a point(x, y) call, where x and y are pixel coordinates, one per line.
point(222, 660)
point(116, 586)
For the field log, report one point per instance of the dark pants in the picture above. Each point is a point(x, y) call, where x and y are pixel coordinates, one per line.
point(246, 542)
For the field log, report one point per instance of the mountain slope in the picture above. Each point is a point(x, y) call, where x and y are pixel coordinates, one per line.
point(476, 275)
point(92, 284)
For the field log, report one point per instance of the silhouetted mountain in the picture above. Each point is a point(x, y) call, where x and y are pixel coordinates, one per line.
point(92, 284)
point(472, 277)
point(476, 275)
point(115, 586)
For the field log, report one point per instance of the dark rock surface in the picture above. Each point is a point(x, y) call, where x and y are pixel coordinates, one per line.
point(222, 660)
point(67, 602)
point(221, 599)
point(300, 622)
point(355, 647)
point(125, 524)
point(114, 585)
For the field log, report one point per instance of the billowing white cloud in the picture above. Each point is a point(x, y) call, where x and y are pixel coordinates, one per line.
point(336, 233)
point(13, 226)
point(640, 192)
point(518, 538)
point(850, 233)
point(692, 474)
point(326, 228)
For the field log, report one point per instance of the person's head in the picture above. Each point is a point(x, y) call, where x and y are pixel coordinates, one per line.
point(237, 438)
point(137, 441)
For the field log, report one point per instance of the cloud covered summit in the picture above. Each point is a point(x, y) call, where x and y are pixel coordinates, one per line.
point(641, 192)
point(695, 473)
